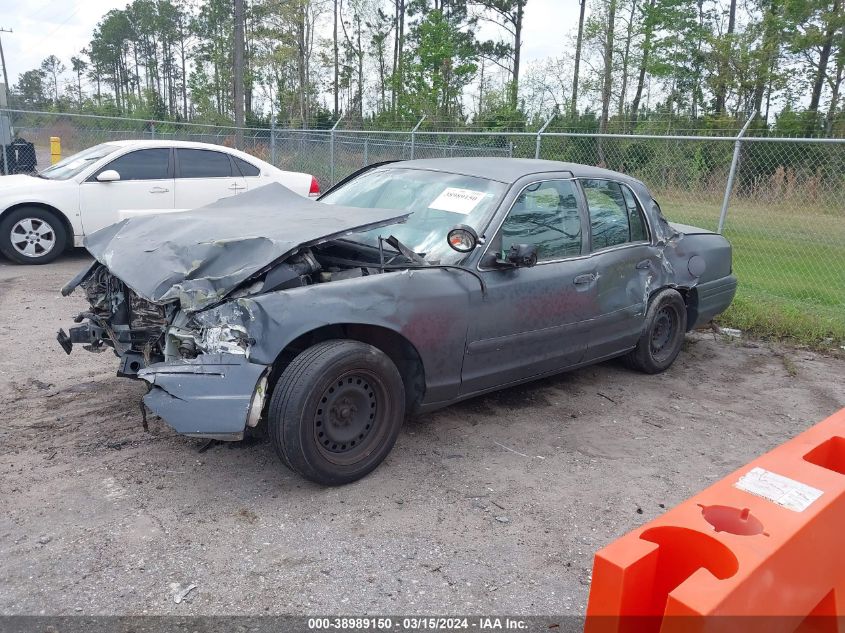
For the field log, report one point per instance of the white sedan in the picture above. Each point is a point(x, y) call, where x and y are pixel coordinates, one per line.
point(43, 214)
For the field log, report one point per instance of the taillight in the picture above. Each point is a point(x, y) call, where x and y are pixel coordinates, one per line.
point(315, 187)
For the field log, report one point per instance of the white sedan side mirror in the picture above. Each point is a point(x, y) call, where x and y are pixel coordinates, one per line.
point(110, 175)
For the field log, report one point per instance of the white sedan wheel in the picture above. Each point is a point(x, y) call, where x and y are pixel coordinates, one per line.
point(33, 237)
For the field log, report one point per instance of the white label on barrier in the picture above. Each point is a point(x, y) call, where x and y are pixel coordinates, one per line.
point(457, 200)
point(778, 489)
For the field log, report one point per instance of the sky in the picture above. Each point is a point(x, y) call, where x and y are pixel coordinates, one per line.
point(44, 27)
point(64, 27)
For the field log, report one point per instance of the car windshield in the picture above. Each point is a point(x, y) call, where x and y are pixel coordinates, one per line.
point(72, 165)
point(438, 201)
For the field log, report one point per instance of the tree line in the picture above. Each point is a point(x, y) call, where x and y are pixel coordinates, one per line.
point(624, 65)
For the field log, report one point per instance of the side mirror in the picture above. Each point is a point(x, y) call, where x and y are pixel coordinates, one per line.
point(519, 256)
point(109, 175)
point(462, 238)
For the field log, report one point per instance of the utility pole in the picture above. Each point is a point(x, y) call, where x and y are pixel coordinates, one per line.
point(3, 63)
point(336, 65)
point(239, 73)
point(574, 107)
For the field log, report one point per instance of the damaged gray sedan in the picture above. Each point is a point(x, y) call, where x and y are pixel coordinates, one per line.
point(408, 287)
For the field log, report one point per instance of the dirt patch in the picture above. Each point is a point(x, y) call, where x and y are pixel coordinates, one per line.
point(495, 505)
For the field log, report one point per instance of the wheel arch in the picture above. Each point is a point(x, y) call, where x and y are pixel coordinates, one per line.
point(66, 224)
point(690, 297)
point(399, 349)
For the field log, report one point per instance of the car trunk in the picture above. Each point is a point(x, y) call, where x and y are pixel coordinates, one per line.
point(688, 229)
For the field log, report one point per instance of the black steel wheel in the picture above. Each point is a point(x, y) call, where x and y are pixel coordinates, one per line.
point(663, 334)
point(336, 411)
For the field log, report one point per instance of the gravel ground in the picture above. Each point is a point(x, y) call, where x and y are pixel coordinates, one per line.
point(495, 505)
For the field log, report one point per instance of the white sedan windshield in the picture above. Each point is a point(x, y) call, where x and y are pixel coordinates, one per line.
point(72, 165)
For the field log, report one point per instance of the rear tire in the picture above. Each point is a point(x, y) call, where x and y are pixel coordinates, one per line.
point(32, 235)
point(663, 334)
point(336, 411)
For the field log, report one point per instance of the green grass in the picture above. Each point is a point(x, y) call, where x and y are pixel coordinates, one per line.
point(790, 262)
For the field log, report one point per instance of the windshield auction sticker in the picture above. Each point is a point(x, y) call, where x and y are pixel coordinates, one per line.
point(778, 489)
point(457, 200)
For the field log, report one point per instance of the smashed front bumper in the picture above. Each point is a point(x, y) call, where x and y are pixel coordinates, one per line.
point(214, 395)
point(92, 338)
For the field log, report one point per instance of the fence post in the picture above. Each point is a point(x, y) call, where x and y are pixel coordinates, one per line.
point(5, 136)
point(331, 150)
point(732, 172)
point(273, 139)
point(5, 131)
point(540, 134)
point(414, 135)
point(152, 130)
point(366, 151)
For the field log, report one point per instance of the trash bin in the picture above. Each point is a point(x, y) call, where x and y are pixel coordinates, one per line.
point(20, 157)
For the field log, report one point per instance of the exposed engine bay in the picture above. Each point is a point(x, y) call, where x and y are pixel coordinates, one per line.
point(142, 332)
point(120, 319)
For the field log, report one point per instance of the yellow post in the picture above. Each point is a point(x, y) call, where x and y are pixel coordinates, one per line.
point(55, 149)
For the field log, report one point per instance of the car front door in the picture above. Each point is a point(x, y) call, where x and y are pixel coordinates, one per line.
point(204, 176)
point(625, 262)
point(533, 320)
point(145, 185)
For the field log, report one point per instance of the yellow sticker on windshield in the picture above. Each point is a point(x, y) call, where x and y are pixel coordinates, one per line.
point(457, 200)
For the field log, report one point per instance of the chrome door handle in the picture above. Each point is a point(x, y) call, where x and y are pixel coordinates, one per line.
point(159, 190)
point(584, 279)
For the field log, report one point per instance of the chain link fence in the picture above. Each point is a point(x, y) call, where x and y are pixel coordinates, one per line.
point(781, 202)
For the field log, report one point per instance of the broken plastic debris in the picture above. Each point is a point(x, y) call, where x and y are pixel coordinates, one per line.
point(179, 594)
point(729, 331)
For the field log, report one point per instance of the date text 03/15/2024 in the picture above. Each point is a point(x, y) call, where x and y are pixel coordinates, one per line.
point(478, 623)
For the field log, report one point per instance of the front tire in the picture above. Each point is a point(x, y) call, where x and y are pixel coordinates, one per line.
point(663, 334)
point(336, 411)
point(31, 235)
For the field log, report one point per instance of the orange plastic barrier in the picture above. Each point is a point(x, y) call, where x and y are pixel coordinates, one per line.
point(761, 550)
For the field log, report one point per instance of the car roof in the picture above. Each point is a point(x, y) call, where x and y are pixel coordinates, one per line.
point(155, 143)
point(507, 170)
point(165, 143)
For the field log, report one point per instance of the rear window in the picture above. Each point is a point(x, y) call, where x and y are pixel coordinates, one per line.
point(246, 169)
point(203, 163)
point(615, 215)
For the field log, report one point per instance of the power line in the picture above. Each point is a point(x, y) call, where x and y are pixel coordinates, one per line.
point(60, 25)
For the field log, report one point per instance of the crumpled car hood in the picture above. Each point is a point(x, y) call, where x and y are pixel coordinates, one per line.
point(200, 256)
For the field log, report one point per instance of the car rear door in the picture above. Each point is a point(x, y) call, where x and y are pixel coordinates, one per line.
point(534, 320)
point(145, 186)
point(625, 262)
point(204, 176)
point(250, 173)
